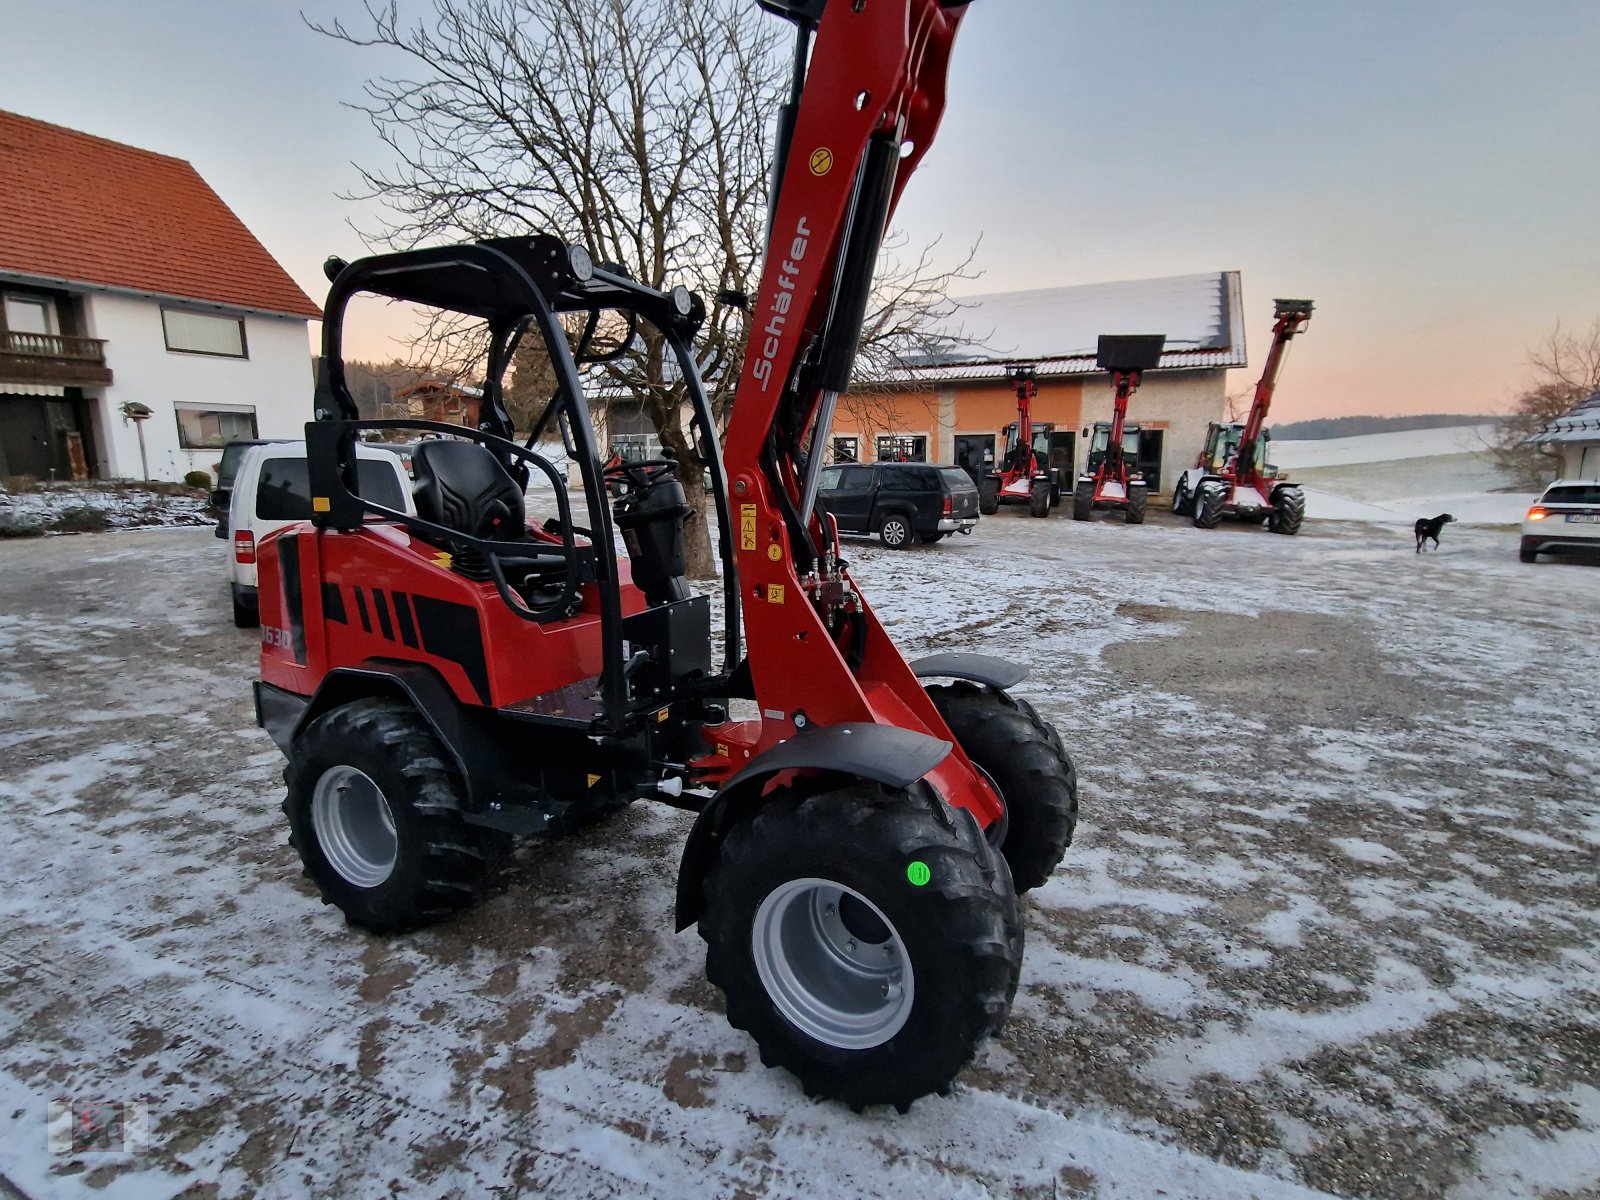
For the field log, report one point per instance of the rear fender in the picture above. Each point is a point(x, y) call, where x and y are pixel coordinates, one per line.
point(474, 752)
point(884, 754)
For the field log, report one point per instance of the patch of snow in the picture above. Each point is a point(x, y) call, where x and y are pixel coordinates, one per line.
point(1364, 851)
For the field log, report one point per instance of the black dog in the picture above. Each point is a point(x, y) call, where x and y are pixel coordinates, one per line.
point(1429, 527)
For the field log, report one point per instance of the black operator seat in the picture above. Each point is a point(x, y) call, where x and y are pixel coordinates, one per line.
point(462, 486)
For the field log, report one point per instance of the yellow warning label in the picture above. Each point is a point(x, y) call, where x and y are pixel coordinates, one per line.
point(775, 593)
point(320, 504)
point(775, 552)
point(662, 715)
point(747, 526)
point(821, 160)
point(593, 779)
point(443, 559)
point(722, 750)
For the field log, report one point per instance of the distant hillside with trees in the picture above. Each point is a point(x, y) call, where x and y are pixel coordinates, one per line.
point(1339, 427)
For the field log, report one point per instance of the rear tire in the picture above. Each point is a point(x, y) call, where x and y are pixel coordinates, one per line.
point(1083, 500)
point(1208, 501)
point(988, 496)
point(1024, 759)
point(1138, 499)
point(895, 531)
point(1039, 499)
point(376, 817)
point(868, 945)
point(928, 539)
point(1527, 556)
point(1288, 511)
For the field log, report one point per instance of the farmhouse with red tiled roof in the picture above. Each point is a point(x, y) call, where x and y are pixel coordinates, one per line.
point(135, 302)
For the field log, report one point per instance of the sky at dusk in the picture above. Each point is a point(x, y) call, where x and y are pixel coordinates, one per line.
point(1425, 170)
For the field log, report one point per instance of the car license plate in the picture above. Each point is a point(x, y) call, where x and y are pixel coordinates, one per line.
point(1583, 518)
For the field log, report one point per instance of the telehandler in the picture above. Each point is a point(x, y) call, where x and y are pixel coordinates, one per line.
point(1232, 475)
point(1109, 480)
point(1023, 476)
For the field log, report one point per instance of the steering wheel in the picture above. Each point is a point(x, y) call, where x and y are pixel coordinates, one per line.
point(642, 474)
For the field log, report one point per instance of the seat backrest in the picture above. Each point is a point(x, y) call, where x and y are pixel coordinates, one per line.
point(462, 486)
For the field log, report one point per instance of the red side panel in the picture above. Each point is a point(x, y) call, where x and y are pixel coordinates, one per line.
point(333, 600)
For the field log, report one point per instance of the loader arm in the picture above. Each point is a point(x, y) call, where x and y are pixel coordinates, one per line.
point(1113, 465)
point(1290, 317)
point(865, 106)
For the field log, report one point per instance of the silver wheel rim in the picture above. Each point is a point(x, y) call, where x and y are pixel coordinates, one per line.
point(848, 988)
point(354, 827)
point(894, 533)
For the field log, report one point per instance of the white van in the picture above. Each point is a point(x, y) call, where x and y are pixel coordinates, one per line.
point(271, 490)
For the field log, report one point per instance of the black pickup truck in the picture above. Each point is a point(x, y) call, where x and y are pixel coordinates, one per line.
point(900, 502)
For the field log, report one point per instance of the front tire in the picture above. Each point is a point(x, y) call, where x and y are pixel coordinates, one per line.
point(1208, 502)
point(1024, 759)
point(895, 531)
point(376, 817)
point(1138, 500)
point(1288, 511)
point(1083, 500)
point(1039, 499)
point(988, 495)
point(1180, 496)
point(867, 945)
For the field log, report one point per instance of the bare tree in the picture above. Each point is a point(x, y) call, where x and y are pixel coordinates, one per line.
point(636, 128)
point(1565, 370)
point(911, 319)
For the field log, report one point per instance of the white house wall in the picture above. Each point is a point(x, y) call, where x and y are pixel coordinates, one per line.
point(1183, 403)
point(276, 380)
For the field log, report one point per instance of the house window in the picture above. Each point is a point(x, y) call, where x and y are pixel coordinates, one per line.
point(846, 449)
point(214, 428)
point(204, 333)
point(903, 448)
point(30, 314)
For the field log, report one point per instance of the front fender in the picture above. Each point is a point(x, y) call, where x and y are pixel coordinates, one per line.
point(885, 754)
point(977, 668)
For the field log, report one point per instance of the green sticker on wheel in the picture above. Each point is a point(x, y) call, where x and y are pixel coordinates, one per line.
point(918, 873)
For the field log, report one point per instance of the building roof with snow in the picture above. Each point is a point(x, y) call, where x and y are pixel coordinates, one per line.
point(1058, 329)
point(1582, 424)
point(83, 211)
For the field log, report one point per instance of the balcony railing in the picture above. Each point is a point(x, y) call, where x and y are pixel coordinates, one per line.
point(54, 345)
point(51, 358)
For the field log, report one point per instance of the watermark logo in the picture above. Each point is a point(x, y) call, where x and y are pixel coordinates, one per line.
point(97, 1126)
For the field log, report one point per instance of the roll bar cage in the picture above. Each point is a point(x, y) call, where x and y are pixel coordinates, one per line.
point(516, 285)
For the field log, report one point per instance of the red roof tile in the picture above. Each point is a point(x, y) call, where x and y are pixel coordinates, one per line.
point(86, 210)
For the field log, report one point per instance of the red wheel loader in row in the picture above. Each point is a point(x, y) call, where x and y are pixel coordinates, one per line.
point(1023, 477)
point(445, 681)
point(1232, 475)
point(1110, 480)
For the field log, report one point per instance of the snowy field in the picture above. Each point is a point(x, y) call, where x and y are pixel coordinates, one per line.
point(1330, 925)
point(1398, 477)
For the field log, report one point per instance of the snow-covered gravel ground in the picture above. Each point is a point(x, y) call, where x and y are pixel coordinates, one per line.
point(78, 507)
point(1330, 924)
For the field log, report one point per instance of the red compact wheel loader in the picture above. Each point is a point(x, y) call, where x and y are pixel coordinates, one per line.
point(1232, 475)
point(444, 681)
point(1109, 479)
point(1023, 477)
